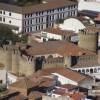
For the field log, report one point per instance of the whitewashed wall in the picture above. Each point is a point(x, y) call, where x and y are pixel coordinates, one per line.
point(15, 18)
point(64, 80)
point(73, 24)
point(84, 5)
point(11, 78)
point(3, 76)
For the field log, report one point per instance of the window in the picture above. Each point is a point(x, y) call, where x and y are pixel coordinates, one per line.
point(1, 81)
point(28, 15)
point(47, 18)
point(63, 8)
point(4, 12)
point(39, 20)
point(31, 15)
point(36, 14)
point(39, 13)
point(63, 15)
point(53, 10)
point(28, 22)
point(9, 14)
point(69, 7)
point(3, 19)
point(58, 9)
point(36, 27)
point(0, 12)
point(9, 21)
point(36, 20)
point(31, 29)
point(25, 16)
point(0, 18)
point(47, 12)
point(31, 21)
point(28, 29)
point(42, 19)
point(41, 26)
point(53, 17)
point(42, 12)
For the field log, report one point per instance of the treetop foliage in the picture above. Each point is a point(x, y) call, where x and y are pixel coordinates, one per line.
point(21, 2)
point(7, 34)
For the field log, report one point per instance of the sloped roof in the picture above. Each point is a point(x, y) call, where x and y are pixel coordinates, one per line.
point(59, 47)
point(75, 76)
point(46, 84)
point(59, 31)
point(60, 91)
point(75, 96)
point(19, 97)
point(35, 95)
point(68, 86)
point(24, 83)
point(36, 8)
point(66, 73)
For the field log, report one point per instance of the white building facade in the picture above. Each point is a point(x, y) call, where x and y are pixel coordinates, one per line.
point(64, 80)
point(30, 19)
point(91, 5)
point(3, 77)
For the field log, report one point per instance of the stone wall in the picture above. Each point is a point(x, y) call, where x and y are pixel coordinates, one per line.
point(88, 39)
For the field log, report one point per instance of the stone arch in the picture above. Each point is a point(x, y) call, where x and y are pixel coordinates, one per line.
point(95, 70)
point(83, 71)
point(79, 71)
point(98, 69)
point(87, 70)
point(91, 70)
point(42, 57)
point(50, 56)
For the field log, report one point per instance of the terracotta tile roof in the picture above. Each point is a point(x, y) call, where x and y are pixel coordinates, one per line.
point(35, 95)
point(59, 47)
point(36, 8)
point(60, 91)
point(65, 72)
point(47, 6)
point(68, 86)
point(86, 64)
point(10, 8)
point(7, 92)
point(18, 97)
point(46, 84)
point(24, 83)
point(59, 31)
point(75, 96)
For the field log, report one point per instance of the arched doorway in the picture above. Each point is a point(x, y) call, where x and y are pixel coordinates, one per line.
point(98, 69)
point(95, 70)
point(83, 71)
point(91, 70)
point(87, 70)
point(79, 71)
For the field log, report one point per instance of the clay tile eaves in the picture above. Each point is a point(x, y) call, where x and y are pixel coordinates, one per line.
point(66, 73)
point(24, 83)
point(56, 47)
point(35, 95)
point(36, 8)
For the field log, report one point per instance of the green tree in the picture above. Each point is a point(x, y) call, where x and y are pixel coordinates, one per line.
point(59, 20)
point(7, 34)
point(24, 38)
point(28, 4)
